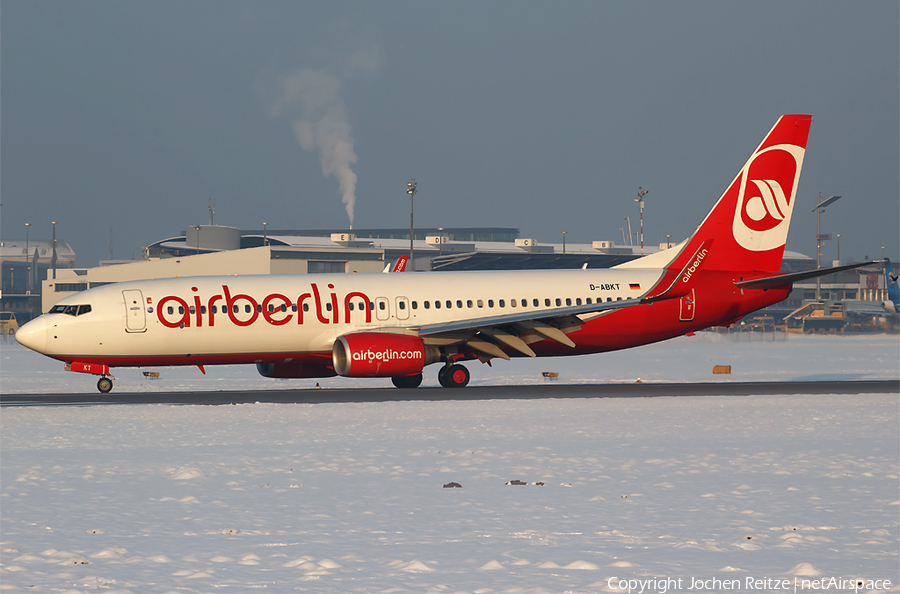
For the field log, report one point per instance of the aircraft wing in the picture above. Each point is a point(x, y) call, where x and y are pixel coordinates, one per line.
point(793, 277)
point(487, 334)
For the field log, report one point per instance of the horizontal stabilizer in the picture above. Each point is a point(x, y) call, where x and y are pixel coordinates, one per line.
point(793, 277)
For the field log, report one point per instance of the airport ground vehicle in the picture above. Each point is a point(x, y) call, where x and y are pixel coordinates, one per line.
point(8, 323)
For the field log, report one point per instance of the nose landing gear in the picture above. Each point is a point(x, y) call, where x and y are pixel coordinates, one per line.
point(104, 384)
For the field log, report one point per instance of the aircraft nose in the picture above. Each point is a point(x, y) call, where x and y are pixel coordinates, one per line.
point(34, 334)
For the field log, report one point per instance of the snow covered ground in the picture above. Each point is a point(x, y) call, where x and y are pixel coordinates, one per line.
point(351, 497)
point(793, 357)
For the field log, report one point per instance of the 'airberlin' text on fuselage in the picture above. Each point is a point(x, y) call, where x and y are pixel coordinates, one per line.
point(276, 309)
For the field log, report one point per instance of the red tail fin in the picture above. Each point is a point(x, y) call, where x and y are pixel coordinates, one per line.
point(401, 264)
point(749, 223)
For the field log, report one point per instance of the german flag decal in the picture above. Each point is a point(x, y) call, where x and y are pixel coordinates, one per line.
point(634, 286)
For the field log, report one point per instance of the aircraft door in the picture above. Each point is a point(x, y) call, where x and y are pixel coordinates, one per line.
point(402, 308)
point(135, 319)
point(686, 306)
point(382, 309)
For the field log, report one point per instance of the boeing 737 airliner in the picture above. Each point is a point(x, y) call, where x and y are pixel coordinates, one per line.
point(393, 325)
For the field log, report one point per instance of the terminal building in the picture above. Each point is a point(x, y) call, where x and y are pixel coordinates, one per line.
point(221, 250)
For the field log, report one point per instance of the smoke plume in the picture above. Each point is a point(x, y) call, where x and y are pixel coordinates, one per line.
point(320, 119)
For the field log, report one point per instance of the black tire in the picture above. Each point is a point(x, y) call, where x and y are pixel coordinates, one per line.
point(104, 384)
point(453, 376)
point(407, 381)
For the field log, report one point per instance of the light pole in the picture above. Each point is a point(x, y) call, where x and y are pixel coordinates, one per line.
point(820, 207)
point(640, 201)
point(564, 241)
point(411, 190)
point(839, 249)
point(265, 234)
point(27, 263)
point(53, 257)
point(668, 242)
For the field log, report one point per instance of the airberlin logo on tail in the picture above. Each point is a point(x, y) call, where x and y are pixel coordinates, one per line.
point(767, 187)
point(689, 271)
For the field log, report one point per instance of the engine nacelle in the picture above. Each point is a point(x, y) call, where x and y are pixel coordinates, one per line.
point(295, 369)
point(381, 354)
point(890, 307)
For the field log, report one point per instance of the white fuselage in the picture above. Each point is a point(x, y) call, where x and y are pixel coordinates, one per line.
point(272, 314)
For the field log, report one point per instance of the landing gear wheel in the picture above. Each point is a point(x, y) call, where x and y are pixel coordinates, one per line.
point(407, 381)
point(104, 384)
point(453, 376)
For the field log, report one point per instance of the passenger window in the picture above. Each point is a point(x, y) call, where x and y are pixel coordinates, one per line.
point(524, 303)
point(258, 308)
point(480, 303)
point(512, 302)
point(547, 302)
point(558, 302)
point(371, 306)
point(609, 299)
point(502, 303)
point(272, 308)
point(469, 304)
point(588, 301)
point(618, 298)
point(449, 304)
point(437, 304)
point(568, 301)
point(293, 306)
point(459, 304)
point(490, 303)
point(535, 302)
point(327, 307)
point(284, 307)
point(415, 305)
point(191, 309)
point(306, 307)
point(234, 308)
point(382, 305)
point(248, 309)
point(180, 310)
point(170, 310)
point(203, 309)
point(578, 301)
point(402, 305)
point(427, 304)
point(349, 306)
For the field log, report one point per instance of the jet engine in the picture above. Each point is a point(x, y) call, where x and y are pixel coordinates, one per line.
point(381, 354)
point(890, 307)
point(295, 369)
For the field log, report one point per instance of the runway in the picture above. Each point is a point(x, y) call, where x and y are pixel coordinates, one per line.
point(321, 396)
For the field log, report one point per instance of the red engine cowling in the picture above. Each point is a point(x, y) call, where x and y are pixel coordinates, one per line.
point(295, 369)
point(381, 354)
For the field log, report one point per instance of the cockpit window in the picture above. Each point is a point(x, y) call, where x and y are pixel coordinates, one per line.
point(72, 310)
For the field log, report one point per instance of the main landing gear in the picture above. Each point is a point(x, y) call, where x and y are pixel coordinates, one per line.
point(453, 376)
point(450, 376)
point(407, 381)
